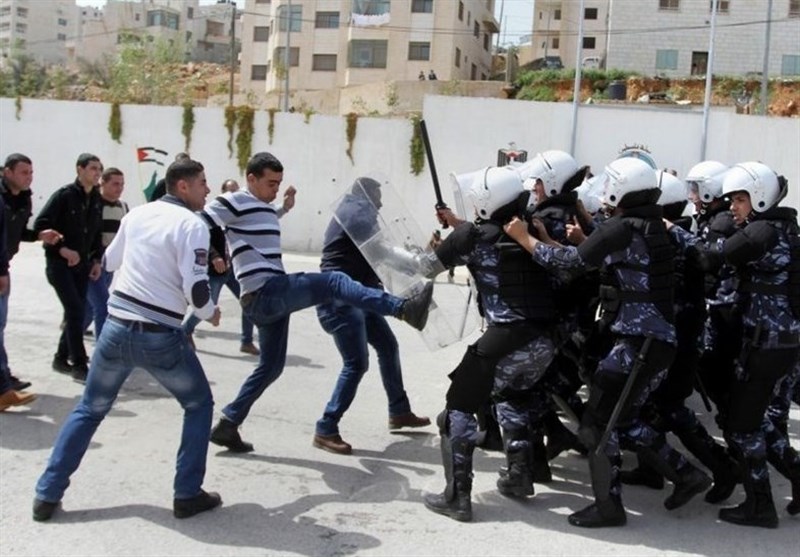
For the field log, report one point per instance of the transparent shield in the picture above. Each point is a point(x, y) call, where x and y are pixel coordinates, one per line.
point(375, 218)
point(461, 184)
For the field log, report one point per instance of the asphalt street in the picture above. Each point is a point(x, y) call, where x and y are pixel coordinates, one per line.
point(287, 497)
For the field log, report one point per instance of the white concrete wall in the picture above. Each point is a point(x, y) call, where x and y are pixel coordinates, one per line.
point(465, 133)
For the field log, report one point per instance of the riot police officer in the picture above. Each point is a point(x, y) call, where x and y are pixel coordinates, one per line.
point(633, 251)
point(511, 355)
point(765, 251)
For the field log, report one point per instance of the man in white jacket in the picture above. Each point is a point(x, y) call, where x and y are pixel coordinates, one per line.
point(160, 254)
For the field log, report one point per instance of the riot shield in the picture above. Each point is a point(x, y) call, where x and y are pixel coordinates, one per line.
point(374, 217)
point(461, 184)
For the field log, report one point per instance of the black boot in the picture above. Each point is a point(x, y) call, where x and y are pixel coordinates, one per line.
point(517, 479)
point(455, 500)
point(541, 468)
point(758, 509)
point(559, 438)
point(725, 469)
point(788, 465)
point(688, 481)
point(600, 514)
point(642, 475)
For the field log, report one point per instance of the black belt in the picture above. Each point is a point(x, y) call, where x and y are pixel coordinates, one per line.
point(141, 326)
point(784, 337)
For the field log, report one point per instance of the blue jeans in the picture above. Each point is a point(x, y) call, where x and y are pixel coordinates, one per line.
point(270, 308)
point(352, 329)
point(97, 302)
point(216, 282)
point(5, 380)
point(169, 359)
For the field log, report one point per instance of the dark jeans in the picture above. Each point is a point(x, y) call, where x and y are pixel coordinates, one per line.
point(169, 359)
point(97, 302)
point(5, 380)
point(352, 330)
point(270, 308)
point(216, 282)
point(70, 284)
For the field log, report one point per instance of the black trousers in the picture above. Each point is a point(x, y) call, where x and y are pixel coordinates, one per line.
point(70, 284)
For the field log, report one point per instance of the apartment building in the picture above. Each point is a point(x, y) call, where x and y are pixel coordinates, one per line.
point(40, 29)
point(671, 37)
point(204, 31)
point(337, 43)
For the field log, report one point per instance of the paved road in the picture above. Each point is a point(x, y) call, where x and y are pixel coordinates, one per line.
point(288, 498)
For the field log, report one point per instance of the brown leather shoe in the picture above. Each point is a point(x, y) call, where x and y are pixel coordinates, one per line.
point(408, 420)
point(249, 348)
point(332, 444)
point(15, 398)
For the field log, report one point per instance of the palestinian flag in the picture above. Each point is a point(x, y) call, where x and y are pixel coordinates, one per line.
point(150, 155)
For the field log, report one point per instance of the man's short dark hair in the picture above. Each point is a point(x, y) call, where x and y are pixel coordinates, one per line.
point(108, 173)
point(226, 183)
point(85, 158)
point(14, 159)
point(182, 157)
point(261, 162)
point(181, 170)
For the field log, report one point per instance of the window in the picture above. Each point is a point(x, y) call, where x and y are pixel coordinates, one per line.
point(421, 6)
point(372, 7)
point(21, 27)
point(790, 64)
point(62, 22)
point(326, 20)
point(62, 36)
point(162, 18)
point(476, 30)
point(296, 18)
point(5, 10)
point(324, 63)
point(666, 59)
point(368, 54)
point(483, 77)
point(723, 6)
point(458, 57)
point(473, 74)
point(469, 18)
point(137, 17)
point(794, 8)
point(190, 13)
point(188, 36)
point(557, 14)
point(22, 12)
point(460, 11)
point(263, 1)
point(258, 72)
point(260, 34)
point(556, 42)
point(486, 42)
point(590, 13)
point(294, 56)
point(669, 4)
point(5, 26)
point(419, 51)
point(589, 42)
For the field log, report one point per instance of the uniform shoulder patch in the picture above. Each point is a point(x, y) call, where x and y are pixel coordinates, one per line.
point(201, 257)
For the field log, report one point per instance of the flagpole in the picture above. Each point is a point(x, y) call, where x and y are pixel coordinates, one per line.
point(709, 79)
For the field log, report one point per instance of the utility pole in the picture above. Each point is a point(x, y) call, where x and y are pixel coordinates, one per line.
point(233, 52)
point(576, 91)
point(765, 68)
point(709, 79)
point(286, 58)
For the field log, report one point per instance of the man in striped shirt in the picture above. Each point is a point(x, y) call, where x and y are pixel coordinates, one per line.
point(112, 183)
point(270, 295)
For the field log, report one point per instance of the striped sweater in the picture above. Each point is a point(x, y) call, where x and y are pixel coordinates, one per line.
point(253, 235)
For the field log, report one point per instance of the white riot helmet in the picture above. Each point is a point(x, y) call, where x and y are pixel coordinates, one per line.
point(758, 180)
point(705, 180)
point(494, 187)
point(627, 175)
point(672, 189)
point(553, 168)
